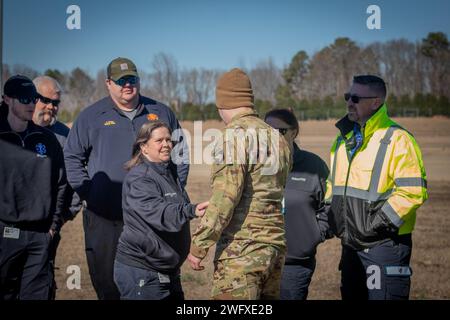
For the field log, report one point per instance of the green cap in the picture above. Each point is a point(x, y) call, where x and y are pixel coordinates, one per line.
point(120, 67)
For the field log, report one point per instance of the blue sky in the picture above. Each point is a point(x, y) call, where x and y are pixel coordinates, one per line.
point(202, 33)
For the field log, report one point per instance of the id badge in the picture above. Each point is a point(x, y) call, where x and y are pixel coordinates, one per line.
point(163, 278)
point(11, 233)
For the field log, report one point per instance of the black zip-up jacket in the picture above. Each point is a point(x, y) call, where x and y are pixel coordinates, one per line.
point(156, 214)
point(100, 143)
point(306, 221)
point(33, 193)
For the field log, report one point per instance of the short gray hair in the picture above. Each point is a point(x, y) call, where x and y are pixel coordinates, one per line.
point(38, 81)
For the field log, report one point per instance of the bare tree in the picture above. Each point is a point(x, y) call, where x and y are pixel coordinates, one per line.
point(266, 78)
point(436, 49)
point(24, 71)
point(397, 59)
point(421, 83)
point(165, 80)
point(100, 89)
point(198, 85)
point(346, 58)
point(331, 70)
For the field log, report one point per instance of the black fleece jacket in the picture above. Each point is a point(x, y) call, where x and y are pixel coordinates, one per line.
point(156, 214)
point(306, 219)
point(32, 178)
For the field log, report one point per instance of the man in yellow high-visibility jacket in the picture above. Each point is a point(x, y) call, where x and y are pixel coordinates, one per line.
point(377, 183)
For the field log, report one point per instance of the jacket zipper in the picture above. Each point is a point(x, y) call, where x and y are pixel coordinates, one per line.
point(22, 140)
point(131, 121)
point(346, 183)
point(345, 200)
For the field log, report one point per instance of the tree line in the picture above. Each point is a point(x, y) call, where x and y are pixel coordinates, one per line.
point(417, 77)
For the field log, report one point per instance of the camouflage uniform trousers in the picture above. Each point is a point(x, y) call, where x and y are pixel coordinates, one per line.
point(256, 275)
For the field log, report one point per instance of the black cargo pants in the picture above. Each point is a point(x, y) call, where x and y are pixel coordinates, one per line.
point(378, 273)
point(25, 271)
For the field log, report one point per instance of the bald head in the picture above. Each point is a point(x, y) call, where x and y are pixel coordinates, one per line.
point(46, 107)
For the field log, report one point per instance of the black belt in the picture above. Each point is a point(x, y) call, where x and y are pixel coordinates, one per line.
point(38, 226)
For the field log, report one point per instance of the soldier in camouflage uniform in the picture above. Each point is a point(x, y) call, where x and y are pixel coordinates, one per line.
point(244, 216)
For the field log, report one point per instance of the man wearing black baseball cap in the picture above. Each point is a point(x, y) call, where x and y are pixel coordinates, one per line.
point(102, 137)
point(32, 198)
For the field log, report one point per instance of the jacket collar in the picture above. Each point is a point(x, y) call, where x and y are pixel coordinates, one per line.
point(5, 127)
point(162, 168)
point(244, 114)
point(140, 107)
point(379, 119)
point(297, 156)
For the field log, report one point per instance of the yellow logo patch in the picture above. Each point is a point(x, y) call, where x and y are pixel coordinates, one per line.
point(152, 117)
point(109, 123)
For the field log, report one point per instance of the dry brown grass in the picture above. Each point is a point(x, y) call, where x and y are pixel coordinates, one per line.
point(430, 259)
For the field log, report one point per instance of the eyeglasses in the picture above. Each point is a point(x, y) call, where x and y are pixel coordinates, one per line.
point(355, 98)
point(283, 131)
point(46, 100)
point(27, 100)
point(124, 80)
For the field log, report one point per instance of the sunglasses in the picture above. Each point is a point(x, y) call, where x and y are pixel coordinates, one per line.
point(46, 100)
point(282, 131)
point(27, 100)
point(124, 80)
point(355, 98)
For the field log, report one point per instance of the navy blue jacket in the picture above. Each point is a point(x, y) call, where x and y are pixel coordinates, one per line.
point(99, 144)
point(306, 221)
point(156, 214)
point(61, 132)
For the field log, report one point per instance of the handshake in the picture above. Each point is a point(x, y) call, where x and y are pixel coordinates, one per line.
point(200, 209)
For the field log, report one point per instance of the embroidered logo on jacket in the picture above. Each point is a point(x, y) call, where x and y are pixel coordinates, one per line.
point(152, 117)
point(109, 123)
point(41, 149)
point(170, 194)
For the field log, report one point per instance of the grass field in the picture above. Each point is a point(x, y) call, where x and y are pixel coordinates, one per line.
point(431, 239)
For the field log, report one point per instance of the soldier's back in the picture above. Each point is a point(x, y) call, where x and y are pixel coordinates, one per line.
point(257, 220)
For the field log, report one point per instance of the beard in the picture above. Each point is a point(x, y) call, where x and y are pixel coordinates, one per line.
point(45, 118)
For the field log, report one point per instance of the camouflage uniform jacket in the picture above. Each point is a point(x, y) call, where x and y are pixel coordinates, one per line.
point(244, 213)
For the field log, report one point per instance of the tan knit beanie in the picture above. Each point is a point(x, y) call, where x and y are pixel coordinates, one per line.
point(234, 90)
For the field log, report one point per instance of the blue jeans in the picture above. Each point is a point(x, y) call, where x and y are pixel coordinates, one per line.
point(295, 280)
point(141, 284)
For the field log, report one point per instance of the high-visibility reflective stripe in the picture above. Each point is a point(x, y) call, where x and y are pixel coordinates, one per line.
point(338, 143)
point(403, 271)
point(372, 194)
point(365, 195)
point(378, 164)
point(360, 194)
point(383, 196)
point(392, 214)
point(410, 182)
